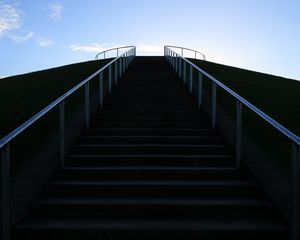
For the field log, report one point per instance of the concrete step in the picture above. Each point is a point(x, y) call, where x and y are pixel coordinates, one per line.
point(150, 132)
point(130, 149)
point(94, 138)
point(150, 173)
point(229, 208)
point(152, 188)
point(128, 228)
point(150, 160)
point(146, 124)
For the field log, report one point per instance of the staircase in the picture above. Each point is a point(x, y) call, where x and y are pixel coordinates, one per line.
point(150, 167)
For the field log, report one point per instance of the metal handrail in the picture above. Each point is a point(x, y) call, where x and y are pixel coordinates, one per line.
point(120, 63)
point(256, 110)
point(40, 114)
point(111, 49)
point(188, 49)
point(176, 62)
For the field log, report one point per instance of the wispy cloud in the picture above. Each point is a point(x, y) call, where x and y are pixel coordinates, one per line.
point(92, 48)
point(142, 49)
point(43, 41)
point(19, 38)
point(40, 40)
point(10, 18)
point(56, 10)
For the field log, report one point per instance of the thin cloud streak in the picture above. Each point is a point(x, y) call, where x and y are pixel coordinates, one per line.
point(10, 18)
point(40, 40)
point(142, 49)
point(56, 10)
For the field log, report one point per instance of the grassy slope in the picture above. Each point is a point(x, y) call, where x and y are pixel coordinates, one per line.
point(24, 95)
point(278, 97)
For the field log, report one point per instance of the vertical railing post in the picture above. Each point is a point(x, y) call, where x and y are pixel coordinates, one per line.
point(124, 63)
point(213, 105)
point(184, 72)
point(117, 52)
point(87, 104)
point(195, 55)
point(120, 67)
point(62, 132)
point(103, 55)
point(5, 192)
point(180, 70)
point(238, 133)
point(200, 90)
point(295, 229)
point(116, 72)
point(109, 80)
point(176, 63)
point(181, 52)
point(191, 79)
point(101, 89)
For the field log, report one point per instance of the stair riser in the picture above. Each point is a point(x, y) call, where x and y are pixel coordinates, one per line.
point(145, 118)
point(149, 175)
point(152, 211)
point(186, 150)
point(138, 234)
point(129, 124)
point(123, 160)
point(148, 140)
point(148, 191)
point(151, 132)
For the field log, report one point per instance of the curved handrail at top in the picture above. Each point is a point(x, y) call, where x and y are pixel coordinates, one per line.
point(111, 49)
point(45, 110)
point(271, 121)
point(189, 49)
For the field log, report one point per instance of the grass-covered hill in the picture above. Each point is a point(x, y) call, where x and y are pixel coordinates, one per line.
point(277, 96)
point(24, 95)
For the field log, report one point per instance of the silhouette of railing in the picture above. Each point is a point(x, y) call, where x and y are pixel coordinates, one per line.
point(178, 62)
point(183, 49)
point(116, 50)
point(120, 63)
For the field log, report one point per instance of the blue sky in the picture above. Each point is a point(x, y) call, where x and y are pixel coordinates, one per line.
point(261, 35)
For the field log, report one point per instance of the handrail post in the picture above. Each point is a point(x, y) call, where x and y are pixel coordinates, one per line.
point(191, 79)
point(120, 67)
point(109, 80)
point(181, 52)
point(295, 229)
point(117, 52)
point(176, 63)
point(87, 104)
point(62, 132)
point(104, 55)
point(124, 63)
point(184, 72)
point(5, 192)
point(195, 55)
point(101, 89)
point(200, 90)
point(214, 105)
point(180, 70)
point(116, 72)
point(239, 109)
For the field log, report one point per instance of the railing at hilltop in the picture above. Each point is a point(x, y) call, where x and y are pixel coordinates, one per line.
point(116, 50)
point(182, 50)
point(119, 64)
point(182, 66)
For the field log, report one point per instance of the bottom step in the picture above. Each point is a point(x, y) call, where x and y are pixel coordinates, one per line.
point(149, 229)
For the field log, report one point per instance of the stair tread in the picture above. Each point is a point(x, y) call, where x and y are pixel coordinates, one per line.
point(152, 201)
point(152, 224)
point(173, 183)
